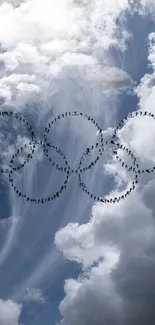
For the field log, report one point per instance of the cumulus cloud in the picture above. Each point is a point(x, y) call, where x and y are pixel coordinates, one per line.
point(122, 236)
point(9, 312)
point(59, 52)
point(45, 43)
point(119, 239)
point(92, 300)
point(55, 56)
point(117, 282)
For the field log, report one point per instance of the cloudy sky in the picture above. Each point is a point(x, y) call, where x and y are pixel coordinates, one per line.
point(73, 261)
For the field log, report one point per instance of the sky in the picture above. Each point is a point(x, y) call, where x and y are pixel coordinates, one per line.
point(74, 261)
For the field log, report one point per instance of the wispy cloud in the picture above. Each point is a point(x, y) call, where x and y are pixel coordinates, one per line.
point(33, 294)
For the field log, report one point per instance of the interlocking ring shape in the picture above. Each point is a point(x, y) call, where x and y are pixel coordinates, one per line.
point(67, 169)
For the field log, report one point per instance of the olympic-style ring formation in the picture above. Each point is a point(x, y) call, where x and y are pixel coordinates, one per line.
point(67, 169)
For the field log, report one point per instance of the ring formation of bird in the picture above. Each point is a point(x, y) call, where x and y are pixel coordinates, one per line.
point(67, 169)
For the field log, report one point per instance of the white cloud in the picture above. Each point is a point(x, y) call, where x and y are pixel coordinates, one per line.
point(34, 294)
point(56, 55)
point(120, 288)
point(50, 50)
point(92, 299)
point(9, 312)
point(143, 7)
point(5, 223)
point(44, 40)
point(116, 236)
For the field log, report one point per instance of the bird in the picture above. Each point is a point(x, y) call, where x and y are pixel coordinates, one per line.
point(75, 113)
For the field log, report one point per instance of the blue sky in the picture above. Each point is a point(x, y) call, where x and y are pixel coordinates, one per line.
point(72, 260)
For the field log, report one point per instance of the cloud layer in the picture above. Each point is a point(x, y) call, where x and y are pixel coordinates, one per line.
point(116, 247)
point(54, 57)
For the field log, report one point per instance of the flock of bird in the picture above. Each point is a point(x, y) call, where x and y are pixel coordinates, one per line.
point(100, 145)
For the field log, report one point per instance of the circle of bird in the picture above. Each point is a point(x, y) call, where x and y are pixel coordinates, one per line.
point(79, 170)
